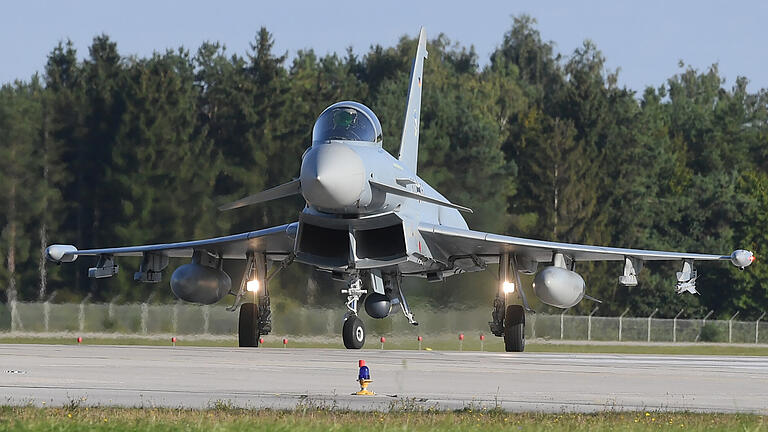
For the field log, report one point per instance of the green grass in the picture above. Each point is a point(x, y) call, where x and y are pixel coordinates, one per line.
point(440, 344)
point(223, 417)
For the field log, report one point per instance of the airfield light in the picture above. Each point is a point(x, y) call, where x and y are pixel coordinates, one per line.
point(252, 285)
point(509, 287)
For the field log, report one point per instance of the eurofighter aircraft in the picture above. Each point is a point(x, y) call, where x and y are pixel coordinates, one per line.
point(370, 220)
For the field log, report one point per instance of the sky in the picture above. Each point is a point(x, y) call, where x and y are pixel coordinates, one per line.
point(644, 39)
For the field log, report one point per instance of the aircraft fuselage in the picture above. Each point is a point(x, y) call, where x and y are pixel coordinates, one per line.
point(350, 223)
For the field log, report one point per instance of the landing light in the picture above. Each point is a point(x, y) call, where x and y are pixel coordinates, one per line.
point(252, 285)
point(508, 287)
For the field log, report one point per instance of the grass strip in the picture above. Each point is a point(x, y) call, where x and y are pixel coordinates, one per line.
point(223, 417)
point(439, 344)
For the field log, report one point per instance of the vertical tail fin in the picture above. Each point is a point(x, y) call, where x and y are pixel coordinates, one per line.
point(409, 143)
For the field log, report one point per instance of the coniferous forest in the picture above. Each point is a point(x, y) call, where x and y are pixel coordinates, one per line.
point(117, 150)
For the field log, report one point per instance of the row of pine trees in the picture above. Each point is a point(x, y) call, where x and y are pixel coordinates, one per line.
point(119, 150)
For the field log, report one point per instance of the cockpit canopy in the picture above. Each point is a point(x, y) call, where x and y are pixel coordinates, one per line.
point(347, 121)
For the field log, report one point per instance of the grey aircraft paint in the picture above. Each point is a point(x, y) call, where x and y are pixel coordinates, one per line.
point(370, 220)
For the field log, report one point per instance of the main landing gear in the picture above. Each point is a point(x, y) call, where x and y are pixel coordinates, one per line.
point(353, 331)
point(253, 300)
point(509, 320)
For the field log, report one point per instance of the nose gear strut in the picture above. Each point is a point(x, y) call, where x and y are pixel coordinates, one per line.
point(353, 332)
point(354, 292)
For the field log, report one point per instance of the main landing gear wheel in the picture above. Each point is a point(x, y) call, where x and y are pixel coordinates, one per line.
point(353, 332)
point(514, 328)
point(248, 330)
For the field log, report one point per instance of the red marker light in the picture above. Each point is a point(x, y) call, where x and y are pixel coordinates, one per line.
point(482, 337)
point(461, 336)
point(419, 338)
point(285, 343)
point(173, 339)
point(261, 340)
point(383, 339)
point(79, 339)
point(752, 258)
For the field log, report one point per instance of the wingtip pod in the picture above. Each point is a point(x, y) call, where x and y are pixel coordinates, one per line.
point(742, 258)
point(61, 253)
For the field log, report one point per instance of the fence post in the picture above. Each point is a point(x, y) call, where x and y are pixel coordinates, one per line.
point(621, 317)
point(674, 326)
point(46, 315)
point(13, 314)
point(175, 319)
point(47, 311)
point(703, 323)
point(561, 323)
point(111, 307)
point(81, 313)
point(589, 323)
point(757, 326)
point(145, 313)
point(649, 322)
point(206, 318)
point(730, 327)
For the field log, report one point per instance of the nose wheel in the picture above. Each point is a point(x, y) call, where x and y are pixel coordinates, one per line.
point(353, 332)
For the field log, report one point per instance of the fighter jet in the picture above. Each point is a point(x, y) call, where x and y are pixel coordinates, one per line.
point(370, 221)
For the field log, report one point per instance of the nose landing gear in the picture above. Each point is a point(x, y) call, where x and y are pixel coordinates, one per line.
point(353, 332)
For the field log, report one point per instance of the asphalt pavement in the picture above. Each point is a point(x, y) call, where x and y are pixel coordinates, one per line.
point(196, 377)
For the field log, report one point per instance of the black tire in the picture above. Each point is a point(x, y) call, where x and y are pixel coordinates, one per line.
point(248, 326)
point(514, 328)
point(353, 332)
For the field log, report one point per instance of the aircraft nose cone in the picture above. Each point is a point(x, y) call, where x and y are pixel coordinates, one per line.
point(332, 176)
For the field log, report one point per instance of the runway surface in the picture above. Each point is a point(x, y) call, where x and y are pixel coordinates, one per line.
point(287, 378)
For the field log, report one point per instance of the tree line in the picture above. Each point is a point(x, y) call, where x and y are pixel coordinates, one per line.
point(120, 150)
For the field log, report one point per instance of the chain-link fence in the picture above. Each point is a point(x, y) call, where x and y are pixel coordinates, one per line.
point(187, 319)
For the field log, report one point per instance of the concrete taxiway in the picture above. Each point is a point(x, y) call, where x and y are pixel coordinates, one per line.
point(287, 378)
